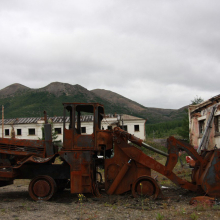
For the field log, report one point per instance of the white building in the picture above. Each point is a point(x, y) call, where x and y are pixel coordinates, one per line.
point(31, 128)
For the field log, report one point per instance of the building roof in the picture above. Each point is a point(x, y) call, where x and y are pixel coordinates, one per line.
point(59, 119)
point(205, 104)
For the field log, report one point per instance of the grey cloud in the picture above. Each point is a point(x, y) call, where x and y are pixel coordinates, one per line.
point(140, 49)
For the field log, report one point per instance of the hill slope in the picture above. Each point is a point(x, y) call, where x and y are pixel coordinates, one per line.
point(154, 115)
point(22, 101)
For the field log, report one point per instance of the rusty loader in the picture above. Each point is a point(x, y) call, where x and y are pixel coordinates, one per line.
point(126, 167)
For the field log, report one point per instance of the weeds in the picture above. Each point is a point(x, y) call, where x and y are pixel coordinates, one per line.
point(109, 205)
point(182, 211)
point(159, 216)
point(114, 207)
point(202, 206)
point(165, 205)
point(81, 197)
point(193, 216)
point(216, 207)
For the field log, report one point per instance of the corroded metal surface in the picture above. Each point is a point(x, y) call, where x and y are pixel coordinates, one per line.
point(202, 200)
point(42, 188)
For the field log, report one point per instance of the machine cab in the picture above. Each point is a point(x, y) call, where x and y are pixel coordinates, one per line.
point(74, 113)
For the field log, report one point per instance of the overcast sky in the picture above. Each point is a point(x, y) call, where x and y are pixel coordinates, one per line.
point(155, 52)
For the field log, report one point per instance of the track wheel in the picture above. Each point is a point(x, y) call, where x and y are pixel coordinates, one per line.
point(145, 186)
point(42, 188)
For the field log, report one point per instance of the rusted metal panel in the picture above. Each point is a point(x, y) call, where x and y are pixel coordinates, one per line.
point(22, 147)
point(202, 201)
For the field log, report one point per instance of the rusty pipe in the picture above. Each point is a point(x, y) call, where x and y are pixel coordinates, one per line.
point(147, 146)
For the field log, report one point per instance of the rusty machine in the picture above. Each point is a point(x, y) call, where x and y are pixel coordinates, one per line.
point(126, 167)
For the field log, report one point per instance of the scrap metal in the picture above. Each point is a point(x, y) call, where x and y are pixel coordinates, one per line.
point(126, 166)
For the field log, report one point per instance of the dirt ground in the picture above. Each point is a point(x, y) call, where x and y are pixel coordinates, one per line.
point(15, 203)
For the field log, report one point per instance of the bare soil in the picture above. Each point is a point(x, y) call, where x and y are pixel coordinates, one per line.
point(15, 203)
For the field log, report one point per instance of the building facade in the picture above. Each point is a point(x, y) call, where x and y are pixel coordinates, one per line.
point(31, 128)
point(199, 115)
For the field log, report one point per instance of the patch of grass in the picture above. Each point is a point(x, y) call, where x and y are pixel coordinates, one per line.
point(155, 145)
point(159, 216)
point(114, 206)
point(182, 211)
point(165, 205)
point(202, 206)
point(194, 216)
point(216, 207)
point(107, 204)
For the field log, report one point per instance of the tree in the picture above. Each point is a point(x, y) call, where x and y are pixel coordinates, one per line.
point(184, 130)
point(196, 100)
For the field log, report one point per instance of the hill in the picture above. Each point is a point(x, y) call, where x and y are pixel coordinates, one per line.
point(22, 101)
point(153, 115)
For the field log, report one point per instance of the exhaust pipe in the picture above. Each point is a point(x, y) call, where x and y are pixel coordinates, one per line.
point(48, 137)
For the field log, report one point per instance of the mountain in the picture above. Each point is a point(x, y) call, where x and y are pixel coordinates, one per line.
point(154, 115)
point(13, 89)
point(22, 101)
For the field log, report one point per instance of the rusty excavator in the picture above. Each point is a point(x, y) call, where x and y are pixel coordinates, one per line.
point(126, 167)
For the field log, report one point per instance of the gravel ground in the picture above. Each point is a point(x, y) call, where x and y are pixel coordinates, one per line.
point(15, 203)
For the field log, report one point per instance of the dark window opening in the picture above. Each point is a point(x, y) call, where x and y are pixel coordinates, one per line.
point(136, 128)
point(57, 130)
point(109, 128)
point(7, 132)
point(83, 130)
point(124, 127)
point(18, 131)
point(31, 131)
point(201, 126)
point(216, 123)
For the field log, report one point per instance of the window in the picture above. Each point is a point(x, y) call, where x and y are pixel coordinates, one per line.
point(124, 127)
point(216, 123)
point(31, 131)
point(57, 130)
point(109, 128)
point(136, 128)
point(83, 130)
point(201, 126)
point(7, 132)
point(18, 131)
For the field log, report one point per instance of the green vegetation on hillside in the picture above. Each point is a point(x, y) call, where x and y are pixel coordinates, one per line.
point(183, 131)
point(32, 104)
point(164, 129)
point(174, 127)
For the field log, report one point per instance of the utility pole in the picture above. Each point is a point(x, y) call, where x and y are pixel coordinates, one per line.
point(2, 121)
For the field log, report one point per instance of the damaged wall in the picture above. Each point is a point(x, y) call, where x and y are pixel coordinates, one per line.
point(198, 118)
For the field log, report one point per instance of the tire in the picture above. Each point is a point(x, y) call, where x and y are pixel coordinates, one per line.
point(42, 188)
